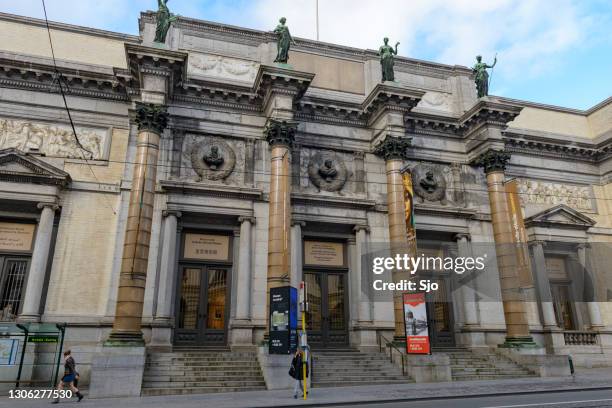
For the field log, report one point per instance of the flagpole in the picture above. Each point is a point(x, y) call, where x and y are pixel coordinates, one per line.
point(317, 6)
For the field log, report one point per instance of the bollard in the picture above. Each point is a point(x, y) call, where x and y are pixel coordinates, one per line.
point(571, 364)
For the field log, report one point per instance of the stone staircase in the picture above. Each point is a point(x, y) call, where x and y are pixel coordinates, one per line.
point(467, 365)
point(199, 371)
point(343, 368)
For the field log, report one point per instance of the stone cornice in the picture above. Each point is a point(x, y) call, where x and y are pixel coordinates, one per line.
point(385, 97)
point(142, 60)
point(181, 187)
point(486, 112)
point(271, 80)
point(35, 76)
point(327, 201)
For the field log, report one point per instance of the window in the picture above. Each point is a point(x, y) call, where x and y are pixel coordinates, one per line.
point(12, 286)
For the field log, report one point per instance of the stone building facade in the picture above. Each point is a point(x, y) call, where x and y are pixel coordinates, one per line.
point(269, 175)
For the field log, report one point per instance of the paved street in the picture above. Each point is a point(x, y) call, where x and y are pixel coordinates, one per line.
point(595, 386)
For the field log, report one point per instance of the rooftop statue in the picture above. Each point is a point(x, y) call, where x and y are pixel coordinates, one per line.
point(482, 76)
point(386, 53)
point(164, 19)
point(284, 41)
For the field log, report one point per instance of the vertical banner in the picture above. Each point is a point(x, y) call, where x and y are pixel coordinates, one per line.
point(409, 209)
point(519, 234)
point(415, 320)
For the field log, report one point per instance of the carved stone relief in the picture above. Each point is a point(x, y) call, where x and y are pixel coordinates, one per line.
point(217, 66)
point(53, 140)
point(436, 100)
point(327, 172)
point(545, 193)
point(429, 182)
point(212, 159)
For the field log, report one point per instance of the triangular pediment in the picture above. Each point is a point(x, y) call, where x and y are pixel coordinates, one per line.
point(560, 216)
point(19, 167)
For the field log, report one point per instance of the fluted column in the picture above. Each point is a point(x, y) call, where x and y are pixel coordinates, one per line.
point(517, 327)
point(592, 304)
point(151, 120)
point(38, 266)
point(163, 311)
point(364, 311)
point(393, 150)
point(280, 135)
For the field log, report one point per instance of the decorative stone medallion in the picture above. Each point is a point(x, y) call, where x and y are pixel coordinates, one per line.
point(429, 183)
point(327, 172)
point(213, 159)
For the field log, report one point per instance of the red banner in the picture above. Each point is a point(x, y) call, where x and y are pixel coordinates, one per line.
point(415, 323)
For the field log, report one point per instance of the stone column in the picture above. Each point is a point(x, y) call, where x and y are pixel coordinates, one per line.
point(517, 327)
point(151, 120)
point(280, 135)
point(38, 266)
point(468, 292)
point(163, 313)
point(393, 150)
point(364, 311)
point(543, 285)
point(243, 295)
point(592, 305)
point(296, 252)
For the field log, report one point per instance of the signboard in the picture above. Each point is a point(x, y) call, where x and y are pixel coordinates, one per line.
point(555, 266)
point(415, 322)
point(16, 236)
point(42, 339)
point(206, 247)
point(283, 320)
point(8, 351)
point(323, 253)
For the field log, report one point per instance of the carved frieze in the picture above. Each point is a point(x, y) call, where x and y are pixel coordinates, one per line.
point(546, 193)
point(212, 159)
point(216, 66)
point(327, 172)
point(53, 140)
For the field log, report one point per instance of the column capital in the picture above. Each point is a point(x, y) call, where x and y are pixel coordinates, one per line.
point(361, 227)
point(151, 117)
point(536, 243)
point(583, 245)
point(392, 148)
point(176, 213)
point(246, 218)
point(462, 236)
point(52, 206)
point(298, 223)
point(492, 161)
point(280, 132)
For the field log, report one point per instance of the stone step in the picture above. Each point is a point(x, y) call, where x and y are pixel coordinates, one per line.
point(149, 377)
point(349, 383)
point(196, 390)
point(204, 363)
point(186, 383)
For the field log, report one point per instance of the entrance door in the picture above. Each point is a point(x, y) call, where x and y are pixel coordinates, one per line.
point(326, 320)
point(440, 316)
point(201, 310)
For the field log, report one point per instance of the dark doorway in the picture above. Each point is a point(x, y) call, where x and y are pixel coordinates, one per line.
point(327, 317)
point(202, 305)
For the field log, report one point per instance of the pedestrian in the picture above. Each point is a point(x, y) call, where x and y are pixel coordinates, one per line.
point(297, 372)
point(69, 377)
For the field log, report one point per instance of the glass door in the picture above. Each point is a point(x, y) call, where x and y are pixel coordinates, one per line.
point(326, 319)
point(202, 301)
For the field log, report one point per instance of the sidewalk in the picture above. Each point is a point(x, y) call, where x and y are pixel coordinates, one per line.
point(591, 378)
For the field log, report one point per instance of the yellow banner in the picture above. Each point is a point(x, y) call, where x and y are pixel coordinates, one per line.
point(519, 234)
point(409, 209)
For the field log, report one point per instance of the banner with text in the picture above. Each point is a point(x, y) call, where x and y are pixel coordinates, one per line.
point(415, 320)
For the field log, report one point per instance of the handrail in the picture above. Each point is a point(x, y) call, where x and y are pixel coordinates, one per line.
point(389, 344)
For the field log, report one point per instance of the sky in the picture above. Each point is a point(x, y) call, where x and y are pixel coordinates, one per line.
point(557, 52)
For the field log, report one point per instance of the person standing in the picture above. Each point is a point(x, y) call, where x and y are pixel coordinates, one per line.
point(69, 376)
point(297, 372)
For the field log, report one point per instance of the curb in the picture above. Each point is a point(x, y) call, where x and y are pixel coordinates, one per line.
point(493, 394)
